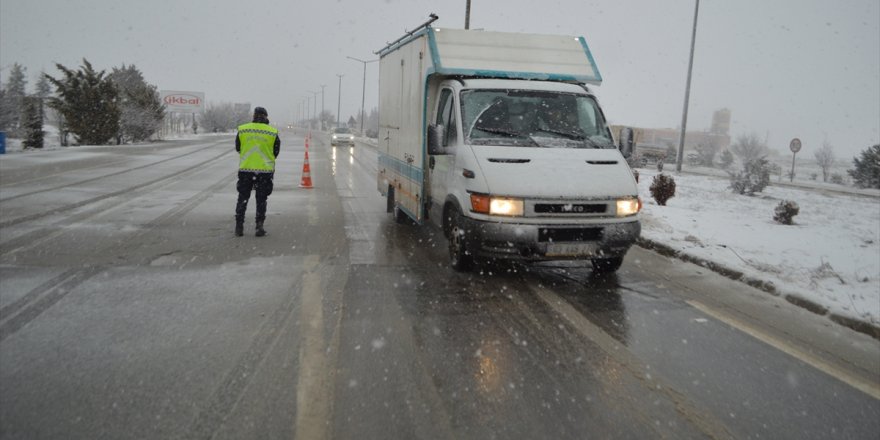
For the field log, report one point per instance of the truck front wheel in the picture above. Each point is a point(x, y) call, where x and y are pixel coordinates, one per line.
point(459, 256)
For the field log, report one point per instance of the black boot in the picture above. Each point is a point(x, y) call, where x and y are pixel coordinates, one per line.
point(260, 231)
point(239, 226)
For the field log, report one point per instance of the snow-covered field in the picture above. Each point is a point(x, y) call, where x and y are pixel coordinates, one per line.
point(830, 255)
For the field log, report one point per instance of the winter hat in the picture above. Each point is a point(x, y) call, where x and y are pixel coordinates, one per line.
point(260, 111)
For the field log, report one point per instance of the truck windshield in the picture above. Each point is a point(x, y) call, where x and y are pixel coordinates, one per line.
point(533, 118)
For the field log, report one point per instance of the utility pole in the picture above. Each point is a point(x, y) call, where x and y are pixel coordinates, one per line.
point(321, 116)
point(687, 93)
point(339, 100)
point(363, 90)
point(316, 109)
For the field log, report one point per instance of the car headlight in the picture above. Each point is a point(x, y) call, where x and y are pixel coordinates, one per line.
point(506, 206)
point(628, 207)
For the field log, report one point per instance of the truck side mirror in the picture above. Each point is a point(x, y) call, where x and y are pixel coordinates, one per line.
point(625, 141)
point(436, 133)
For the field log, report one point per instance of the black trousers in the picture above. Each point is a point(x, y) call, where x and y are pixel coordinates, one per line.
point(262, 184)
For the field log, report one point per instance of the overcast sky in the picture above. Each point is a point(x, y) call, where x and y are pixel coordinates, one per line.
point(785, 68)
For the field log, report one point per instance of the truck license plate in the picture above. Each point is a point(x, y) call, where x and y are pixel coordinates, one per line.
point(570, 249)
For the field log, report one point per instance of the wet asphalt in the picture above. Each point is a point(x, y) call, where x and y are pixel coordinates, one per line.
point(129, 310)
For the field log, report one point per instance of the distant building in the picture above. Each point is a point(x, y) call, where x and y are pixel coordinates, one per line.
point(719, 133)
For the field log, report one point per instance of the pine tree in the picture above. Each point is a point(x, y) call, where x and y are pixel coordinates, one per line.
point(42, 90)
point(142, 111)
point(87, 101)
point(13, 94)
point(866, 169)
point(32, 123)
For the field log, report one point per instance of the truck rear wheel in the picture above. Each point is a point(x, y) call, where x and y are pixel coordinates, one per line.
point(459, 256)
point(606, 265)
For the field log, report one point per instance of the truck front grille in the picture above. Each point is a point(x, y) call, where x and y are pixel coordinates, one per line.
point(571, 208)
point(569, 234)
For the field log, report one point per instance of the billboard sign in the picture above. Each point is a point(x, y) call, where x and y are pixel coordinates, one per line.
point(183, 102)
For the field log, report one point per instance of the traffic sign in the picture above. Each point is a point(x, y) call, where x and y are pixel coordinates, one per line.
point(795, 145)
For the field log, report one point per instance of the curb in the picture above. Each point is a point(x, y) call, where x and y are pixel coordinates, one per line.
point(865, 327)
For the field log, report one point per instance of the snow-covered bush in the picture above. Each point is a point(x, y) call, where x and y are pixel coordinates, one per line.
point(662, 188)
point(785, 212)
point(754, 177)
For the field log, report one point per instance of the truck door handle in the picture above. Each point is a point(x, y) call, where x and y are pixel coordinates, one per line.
point(431, 162)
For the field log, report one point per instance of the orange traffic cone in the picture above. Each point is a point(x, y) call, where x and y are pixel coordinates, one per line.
point(306, 181)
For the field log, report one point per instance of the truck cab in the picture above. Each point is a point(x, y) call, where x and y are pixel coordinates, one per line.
point(527, 170)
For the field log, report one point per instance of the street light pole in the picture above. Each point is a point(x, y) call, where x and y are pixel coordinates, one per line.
point(322, 106)
point(687, 93)
point(316, 109)
point(363, 90)
point(308, 114)
point(339, 100)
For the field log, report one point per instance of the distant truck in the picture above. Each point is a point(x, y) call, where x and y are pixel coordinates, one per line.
point(496, 138)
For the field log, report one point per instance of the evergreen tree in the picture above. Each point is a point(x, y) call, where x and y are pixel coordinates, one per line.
point(142, 111)
point(10, 106)
point(42, 90)
point(866, 169)
point(32, 123)
point(87, 100)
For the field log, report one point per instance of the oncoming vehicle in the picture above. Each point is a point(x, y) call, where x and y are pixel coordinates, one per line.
point(342, 136)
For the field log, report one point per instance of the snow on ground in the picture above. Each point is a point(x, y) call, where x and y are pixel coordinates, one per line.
point(831, 255)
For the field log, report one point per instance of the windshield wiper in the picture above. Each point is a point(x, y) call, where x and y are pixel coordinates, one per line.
point(511, 133)
point(575, 136)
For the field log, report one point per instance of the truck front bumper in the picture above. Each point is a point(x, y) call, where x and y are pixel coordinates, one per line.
point(528, 242)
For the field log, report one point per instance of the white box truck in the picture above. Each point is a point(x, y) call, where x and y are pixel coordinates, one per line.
point(496, 138)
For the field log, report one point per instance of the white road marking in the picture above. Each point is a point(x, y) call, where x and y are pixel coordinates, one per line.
point(870, 388)
point(312, 398)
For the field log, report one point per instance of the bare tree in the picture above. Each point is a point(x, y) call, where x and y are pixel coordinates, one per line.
point(749, 147)
point(825, 159)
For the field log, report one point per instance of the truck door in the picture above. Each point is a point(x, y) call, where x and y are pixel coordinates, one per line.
point(440, 166)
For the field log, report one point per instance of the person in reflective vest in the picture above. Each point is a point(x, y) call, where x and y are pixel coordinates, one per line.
point(258, 146)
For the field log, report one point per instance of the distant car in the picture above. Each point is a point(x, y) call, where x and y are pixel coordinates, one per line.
point(342, 136)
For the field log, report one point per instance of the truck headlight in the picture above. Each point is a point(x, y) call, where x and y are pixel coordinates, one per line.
point(628, 207)
point(485, 204)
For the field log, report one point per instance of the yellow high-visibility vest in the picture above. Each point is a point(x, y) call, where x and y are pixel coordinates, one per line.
point(257, 151)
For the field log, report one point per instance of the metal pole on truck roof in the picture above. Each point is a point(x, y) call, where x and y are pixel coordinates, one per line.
point(687, 92)
point(467, 15)
point(406, 34)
